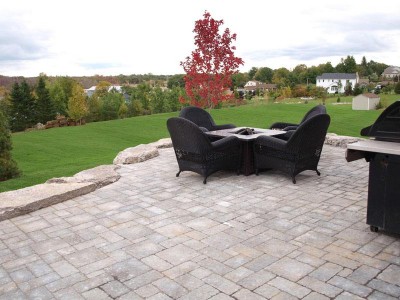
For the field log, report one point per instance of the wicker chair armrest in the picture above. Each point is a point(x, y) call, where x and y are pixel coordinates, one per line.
point(285, 136)
point(291, 127)
point(282, 125)
point(271, 142)
point(203, 129)
point(226, 142)
point(223, 126)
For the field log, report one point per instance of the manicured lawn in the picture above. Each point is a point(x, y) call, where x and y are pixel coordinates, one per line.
point(65, 151)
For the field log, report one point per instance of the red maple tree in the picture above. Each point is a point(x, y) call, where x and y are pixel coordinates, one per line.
point(211, 65)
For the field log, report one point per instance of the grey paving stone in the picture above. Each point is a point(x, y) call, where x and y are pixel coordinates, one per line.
point(350, 286)
point(391, 274)
point(289, 287)
point(154, 236)
point(384, 287)
point(177, 255)
point(97, 294)
point(170, 288)
point(114, 289)
point(290, 269)
point(247, 295)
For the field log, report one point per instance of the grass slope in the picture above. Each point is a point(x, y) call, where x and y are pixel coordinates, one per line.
point(65, 151)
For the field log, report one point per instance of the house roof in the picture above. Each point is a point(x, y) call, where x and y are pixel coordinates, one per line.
point(391, 70)
point(370, 95)
point(345, 76)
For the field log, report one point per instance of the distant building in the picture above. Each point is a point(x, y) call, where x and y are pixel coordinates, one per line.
point(331, 81)
point(90, 91)
point(367, 101)
point(253, 85)
point(391, 72)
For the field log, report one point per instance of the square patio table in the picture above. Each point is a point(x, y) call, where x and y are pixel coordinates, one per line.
point(247, 164)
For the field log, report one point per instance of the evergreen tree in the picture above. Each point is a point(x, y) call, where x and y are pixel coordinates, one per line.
point(8, 167)
point(22, 107)
point(44, 105)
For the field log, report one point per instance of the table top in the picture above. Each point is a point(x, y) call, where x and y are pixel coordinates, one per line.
point(257, 132)
point(376, 146)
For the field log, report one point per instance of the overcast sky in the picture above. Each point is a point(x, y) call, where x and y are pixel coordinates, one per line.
point(84, 38)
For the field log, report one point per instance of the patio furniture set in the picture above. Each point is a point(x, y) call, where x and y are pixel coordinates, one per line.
point(204, 147)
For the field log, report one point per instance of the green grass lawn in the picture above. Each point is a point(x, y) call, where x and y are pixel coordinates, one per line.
point(60, 152)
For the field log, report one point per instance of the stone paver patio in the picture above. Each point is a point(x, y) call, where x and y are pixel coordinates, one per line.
point(154, 236)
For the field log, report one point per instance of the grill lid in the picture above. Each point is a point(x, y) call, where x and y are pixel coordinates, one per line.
point(387, 126)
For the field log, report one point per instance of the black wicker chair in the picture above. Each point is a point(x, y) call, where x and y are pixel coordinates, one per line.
point(316, 110)
point(195, 152)
point(301, 152)
point(202, 119)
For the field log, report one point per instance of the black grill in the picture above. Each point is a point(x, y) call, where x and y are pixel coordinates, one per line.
point(387, 126)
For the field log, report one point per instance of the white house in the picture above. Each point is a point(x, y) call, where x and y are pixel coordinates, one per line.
point(90, 91)
point(366, 101)
point(337, 82)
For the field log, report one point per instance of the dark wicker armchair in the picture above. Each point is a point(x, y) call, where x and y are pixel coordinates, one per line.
point(202, 119)
point(195, 152)
point(301, 152)
point(316, 110)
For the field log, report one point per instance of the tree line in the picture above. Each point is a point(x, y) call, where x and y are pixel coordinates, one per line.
point(302, 74)
point(26, 105)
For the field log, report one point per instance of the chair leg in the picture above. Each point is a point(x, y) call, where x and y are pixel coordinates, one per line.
point(293, 179)
point(318, 172)
point(177, 174)
point(205, 180)
point(256, 171)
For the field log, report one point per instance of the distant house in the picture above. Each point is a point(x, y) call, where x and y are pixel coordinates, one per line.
point(253, 85)
point(331, 81)
point(367, 101)
point(363, 83)
point(391, 72)
point(90, 91)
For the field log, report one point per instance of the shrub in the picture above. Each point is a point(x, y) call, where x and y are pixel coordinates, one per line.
point(8, 167)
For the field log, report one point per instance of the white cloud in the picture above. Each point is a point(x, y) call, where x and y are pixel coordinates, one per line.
point(131, 37)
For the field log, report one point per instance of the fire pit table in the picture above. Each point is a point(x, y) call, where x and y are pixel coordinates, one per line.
point(247, 136)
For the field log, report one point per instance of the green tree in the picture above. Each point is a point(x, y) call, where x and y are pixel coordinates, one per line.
point(281, 76)
point(325, 68)
point(8, 167)
point(239, 80)
point(22, 107)
point(176, 81)
point(264, 74)
point(357, 90)
point(158, 101)
point(111, 103)
point(58, 97)
point(137, 108)
point(172, 97)
point(60, 92)
point(45, 108)
point(252, 73)
point(95, 108)
point(77, 106)
point(123, 110)
point(347, 65)
point(397, 88)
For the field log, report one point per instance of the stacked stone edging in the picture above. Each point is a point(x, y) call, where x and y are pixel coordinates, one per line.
point(340, 140)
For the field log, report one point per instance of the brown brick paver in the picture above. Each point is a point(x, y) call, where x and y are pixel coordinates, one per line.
point(152, 235)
